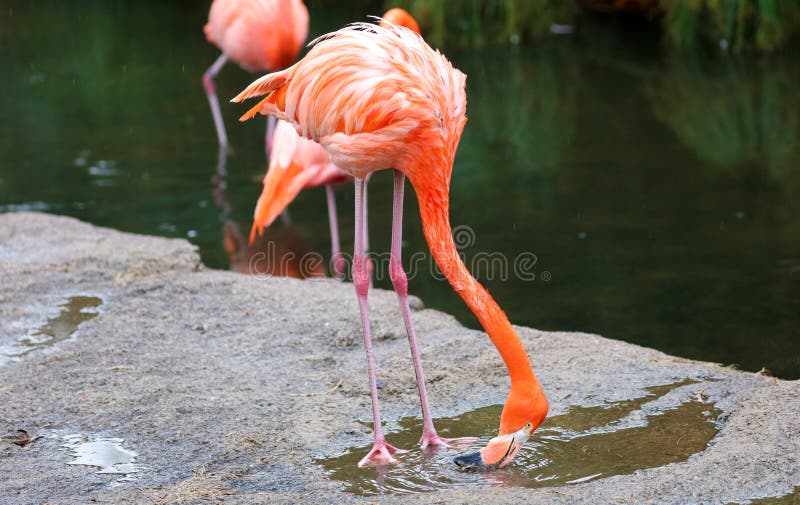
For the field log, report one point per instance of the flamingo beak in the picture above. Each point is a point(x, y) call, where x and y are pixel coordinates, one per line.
point(498, 452)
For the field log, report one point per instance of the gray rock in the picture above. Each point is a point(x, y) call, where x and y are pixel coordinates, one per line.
point(229, 388)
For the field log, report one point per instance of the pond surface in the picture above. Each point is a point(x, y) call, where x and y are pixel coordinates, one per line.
point(647, 197)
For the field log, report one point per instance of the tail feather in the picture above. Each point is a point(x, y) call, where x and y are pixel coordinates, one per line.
point(271, 85)
point(254, 110)
point(264, 85)
point(281, 186)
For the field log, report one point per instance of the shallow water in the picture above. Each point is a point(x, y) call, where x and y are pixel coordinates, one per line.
point(649, 197)
point(105, 453)
point(76, 310)
point(792, 498)
point(583, 444)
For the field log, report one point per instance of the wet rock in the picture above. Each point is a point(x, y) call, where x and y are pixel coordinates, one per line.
point(227, 388)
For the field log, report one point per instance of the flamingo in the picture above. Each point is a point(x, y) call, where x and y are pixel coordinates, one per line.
point(258, 35)
point(296, 164)
point(400, 17)
point(380, 98)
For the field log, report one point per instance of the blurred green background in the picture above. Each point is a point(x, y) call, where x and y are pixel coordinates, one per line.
point(652, 170)
point(731, 25)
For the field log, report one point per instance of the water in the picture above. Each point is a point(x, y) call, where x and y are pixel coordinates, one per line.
point(76, 310)
point(105, 453)
point(793, 498)
point(654, 197)
point(583, 444)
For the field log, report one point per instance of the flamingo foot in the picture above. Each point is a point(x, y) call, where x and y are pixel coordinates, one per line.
point(381, 454)
point(433, 440)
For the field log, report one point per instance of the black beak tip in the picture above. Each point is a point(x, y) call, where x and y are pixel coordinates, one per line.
point(470, 461)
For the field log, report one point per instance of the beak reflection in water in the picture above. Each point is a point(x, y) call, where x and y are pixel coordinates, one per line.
point(498, 452)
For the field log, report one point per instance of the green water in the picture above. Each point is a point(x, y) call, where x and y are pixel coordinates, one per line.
point(659, 194)
point(584, 444)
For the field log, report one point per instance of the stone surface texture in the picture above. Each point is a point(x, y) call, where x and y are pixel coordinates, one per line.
point(212, 378)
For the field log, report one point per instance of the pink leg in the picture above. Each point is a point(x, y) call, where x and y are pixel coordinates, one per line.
point(211, 93)
point(271, 122)
point(366, 226)
point(381, 453)
point(400, 282)
point(222, 161)
point(286, 218)
point(337, 261)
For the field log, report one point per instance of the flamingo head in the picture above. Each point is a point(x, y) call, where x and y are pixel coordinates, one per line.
point(525, 409)
point(498, 453)
point(401, 17)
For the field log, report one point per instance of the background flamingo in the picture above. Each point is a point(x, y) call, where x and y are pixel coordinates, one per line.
point(258, 35)
point(400, 17)
point(296, 164)
point(377, 98)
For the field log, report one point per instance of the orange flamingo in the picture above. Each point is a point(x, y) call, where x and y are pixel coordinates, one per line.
point(400, 17)
point(297, 164)
point(377, 98)
point(258, 35)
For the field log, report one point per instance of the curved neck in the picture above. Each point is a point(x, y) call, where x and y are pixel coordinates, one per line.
point(434, 210)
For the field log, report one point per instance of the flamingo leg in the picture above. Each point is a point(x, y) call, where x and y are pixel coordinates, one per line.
point(222, 162)
point(286, 218)
point(366, 226)
point(337, 261)
point(382, 452)
point(400, 283)
point(211, 93)
point(271, 122)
